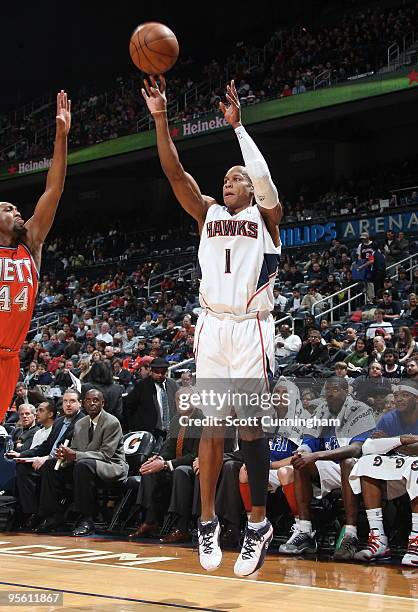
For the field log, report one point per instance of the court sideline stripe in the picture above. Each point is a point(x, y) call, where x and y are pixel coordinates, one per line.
point(119, 598)
point(214, 577)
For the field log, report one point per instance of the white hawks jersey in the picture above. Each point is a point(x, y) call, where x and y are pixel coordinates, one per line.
point(238, 262)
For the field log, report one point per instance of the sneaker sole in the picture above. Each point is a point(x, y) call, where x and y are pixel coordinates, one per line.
point(308, 550)
point(210, 569)
point(337, 557)
point(261, 558)
point(384, 557)
point(409, 562)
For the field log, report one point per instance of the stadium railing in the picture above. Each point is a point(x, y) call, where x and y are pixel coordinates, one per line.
point(42, 320)
point(179, 366)
point(288, 317)
point(329, 299)
point(413, 259)
point(181, 271)
point(413, 263)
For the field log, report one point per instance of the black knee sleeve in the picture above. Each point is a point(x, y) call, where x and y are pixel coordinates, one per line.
point(257, 461)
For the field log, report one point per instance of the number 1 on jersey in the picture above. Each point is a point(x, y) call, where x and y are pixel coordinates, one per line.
point(227, 261)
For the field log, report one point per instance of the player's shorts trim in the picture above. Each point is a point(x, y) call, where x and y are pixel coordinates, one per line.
point(263, 353)
point(398, 474)
point(196, 352)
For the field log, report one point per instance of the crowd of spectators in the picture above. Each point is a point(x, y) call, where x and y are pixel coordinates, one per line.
point(121, 365)
point(113, 366)
point(308, 287)
point(75, 249)
point(126, 240)
point(374, 192)
point(288, 65)
point(356, 45)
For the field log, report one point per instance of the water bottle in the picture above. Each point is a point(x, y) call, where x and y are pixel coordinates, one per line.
point(9, 444)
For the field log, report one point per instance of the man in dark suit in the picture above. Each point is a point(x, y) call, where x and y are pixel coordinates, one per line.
point(22, 436)
point(95, 457)
point(150, 406)
point(28, 474)
point(185, 494)
point(161, 471)
point(313, 351)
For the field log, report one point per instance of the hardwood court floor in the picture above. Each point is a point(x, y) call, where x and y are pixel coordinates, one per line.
point(103, 575)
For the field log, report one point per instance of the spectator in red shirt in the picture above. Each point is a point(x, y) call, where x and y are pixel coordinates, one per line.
point(287, 91)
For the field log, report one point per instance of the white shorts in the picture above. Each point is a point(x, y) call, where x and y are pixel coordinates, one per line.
point(399, 474)
point(274, 482)
point(330, 478)
point(233, 354)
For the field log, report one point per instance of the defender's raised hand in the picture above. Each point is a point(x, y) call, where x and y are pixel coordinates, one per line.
point(232, 112)
point(154, 94)
point(63, 113)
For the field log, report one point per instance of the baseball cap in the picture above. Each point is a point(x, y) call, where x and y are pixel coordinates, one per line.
point(158, 362)
point(364, 235)
point(387, 292)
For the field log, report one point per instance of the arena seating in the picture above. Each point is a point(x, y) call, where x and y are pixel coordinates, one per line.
point(289, 63)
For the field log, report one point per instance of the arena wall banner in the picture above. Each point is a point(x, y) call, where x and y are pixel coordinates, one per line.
point(274, 109)
point(313, 233)
point(398, 222)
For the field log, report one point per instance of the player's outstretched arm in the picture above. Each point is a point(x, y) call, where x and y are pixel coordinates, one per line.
point(183, 184)
point(265, 191)
point(40, 223)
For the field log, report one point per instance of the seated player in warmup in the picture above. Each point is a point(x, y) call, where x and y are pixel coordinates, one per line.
point(324, 460)
point(389, 468)
point(20, 258)
point(234, 337)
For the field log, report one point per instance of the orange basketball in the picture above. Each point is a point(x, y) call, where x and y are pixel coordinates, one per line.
point(153, 47)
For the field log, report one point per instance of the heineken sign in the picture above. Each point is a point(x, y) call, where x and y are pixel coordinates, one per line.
point(30, 166)
point(265, 111)
point(199, 126)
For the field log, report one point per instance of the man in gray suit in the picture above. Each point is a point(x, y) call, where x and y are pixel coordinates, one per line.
point(95, 457)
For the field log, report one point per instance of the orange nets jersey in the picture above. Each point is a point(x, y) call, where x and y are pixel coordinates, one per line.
point(18, 288)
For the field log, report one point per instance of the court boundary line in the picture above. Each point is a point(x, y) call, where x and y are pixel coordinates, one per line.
point(130, 599)
point(214, 577)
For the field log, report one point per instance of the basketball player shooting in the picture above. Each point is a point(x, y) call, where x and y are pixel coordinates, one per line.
point(20, 258)
point(234, 338)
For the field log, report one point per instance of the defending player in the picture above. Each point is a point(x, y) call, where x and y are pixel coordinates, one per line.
point(234, 338)
point(20, 258)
